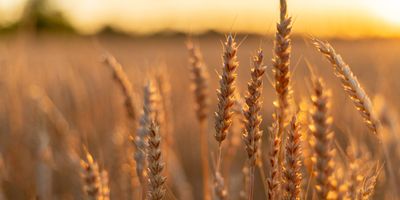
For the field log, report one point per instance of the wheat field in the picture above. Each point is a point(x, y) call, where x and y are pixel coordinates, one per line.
point(199, 117)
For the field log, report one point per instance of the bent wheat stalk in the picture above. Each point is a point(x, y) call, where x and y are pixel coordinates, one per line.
point(122, 80)
point(350, 84)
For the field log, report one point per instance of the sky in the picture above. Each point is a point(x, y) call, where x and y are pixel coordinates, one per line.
point(332, 18)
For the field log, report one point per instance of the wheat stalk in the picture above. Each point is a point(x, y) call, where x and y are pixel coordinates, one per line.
point(155, 164)
point(223, 115)
point(58, 120)
point(252, 133)
point(280, 63)
point(149, 114)
point(350, 84)
point(320, 128)
point(122, 80)
point(292, 172)
point(200, 89)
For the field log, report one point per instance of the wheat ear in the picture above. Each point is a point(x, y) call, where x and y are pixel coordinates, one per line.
point(155, 164)
point(223, 115)
point(280, 63)
point(292, 172)
point(252, 133)
point(350, 84)
point(367, 189)
point(273, 179)
point(104, 190)
point(148, 115)
point(200, 88)
point(91, 178)
point(321, 129)
point(122, 80)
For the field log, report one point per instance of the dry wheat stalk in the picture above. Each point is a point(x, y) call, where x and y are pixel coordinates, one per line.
point(292, 171)
point(252, 133)
point(223, 115)
point(273, 179)
point(280, 63)
point(91, 178)
point(44, 173)
point(155, 164)
point(122, 80)
point(200, 89)
point(350, 84)
point(321, 129)
point(148, 115)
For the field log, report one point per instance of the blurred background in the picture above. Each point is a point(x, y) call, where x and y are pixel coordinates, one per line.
point(57, 46)
point(339, 18)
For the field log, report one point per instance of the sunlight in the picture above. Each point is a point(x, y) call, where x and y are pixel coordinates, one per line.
point(386, 9)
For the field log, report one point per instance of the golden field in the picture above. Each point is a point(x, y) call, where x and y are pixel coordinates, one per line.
point(68, 69)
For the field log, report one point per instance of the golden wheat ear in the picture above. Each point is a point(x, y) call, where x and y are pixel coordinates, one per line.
point(223, 115)
point(281, 66)
point(156, 180)
point(122, 80)
point(91, 177)
point(292, 172)
point(252, 133)
point(350, 84)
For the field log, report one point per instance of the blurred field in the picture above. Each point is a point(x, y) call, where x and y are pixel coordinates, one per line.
point(69, 70)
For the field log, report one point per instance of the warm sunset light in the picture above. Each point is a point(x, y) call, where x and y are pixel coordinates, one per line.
point(199, 99)
point(339, 18)
point(387, 9)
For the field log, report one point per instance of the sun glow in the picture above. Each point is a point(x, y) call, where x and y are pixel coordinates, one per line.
point(389, 10)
